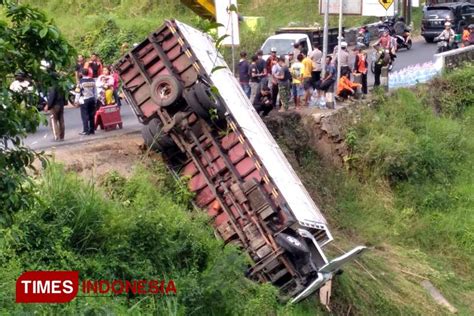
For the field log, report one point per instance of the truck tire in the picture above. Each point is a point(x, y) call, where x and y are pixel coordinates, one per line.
point(165, 90)
point(204, 101)
point(154, 138)
point(292, 244)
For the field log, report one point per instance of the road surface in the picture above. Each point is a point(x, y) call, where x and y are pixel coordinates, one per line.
point(43, 138)
point(421, 52)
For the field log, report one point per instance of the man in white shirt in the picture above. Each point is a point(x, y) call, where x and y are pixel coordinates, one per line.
point(316, 55)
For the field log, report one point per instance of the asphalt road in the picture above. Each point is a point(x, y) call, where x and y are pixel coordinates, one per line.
point(43, 139)
point(420, 53)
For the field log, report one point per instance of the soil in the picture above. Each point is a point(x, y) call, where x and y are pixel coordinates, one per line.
point(95, 158)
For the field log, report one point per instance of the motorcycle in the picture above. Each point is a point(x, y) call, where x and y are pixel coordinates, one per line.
point(374, 58)
point(404, 41)
point(73, 95)
point(444, 45)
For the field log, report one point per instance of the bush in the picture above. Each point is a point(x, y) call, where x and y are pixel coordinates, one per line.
point(142, 233)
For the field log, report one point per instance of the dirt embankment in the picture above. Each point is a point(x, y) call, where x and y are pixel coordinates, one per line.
point(322, 131)
point(95, 158)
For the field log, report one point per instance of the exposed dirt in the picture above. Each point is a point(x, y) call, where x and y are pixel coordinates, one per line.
point(95, 158)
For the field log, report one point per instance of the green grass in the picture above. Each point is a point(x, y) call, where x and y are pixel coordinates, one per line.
point(87, 25)
point(409, 194)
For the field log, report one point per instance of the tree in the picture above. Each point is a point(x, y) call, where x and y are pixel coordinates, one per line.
point(27, 37)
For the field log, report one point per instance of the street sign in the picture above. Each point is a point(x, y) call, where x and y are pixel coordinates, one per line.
point(386, 3)
point(349, 7)
point(373, 8)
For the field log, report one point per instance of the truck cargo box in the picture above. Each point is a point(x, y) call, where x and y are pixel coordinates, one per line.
point(195, 113)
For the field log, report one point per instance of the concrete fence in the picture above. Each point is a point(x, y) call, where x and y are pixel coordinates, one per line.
point(420, 73)
point(350, 35)
point(454, 58)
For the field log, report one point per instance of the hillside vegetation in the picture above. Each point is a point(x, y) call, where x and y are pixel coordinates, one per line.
point(408, 192)
point(104, 25)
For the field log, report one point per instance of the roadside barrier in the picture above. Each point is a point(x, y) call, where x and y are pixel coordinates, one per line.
point(421, 73)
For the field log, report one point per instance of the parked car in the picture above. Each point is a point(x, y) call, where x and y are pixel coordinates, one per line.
point(459, 14)
point(307, 37)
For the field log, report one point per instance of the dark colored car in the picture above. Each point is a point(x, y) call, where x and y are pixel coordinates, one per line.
point(460, 14)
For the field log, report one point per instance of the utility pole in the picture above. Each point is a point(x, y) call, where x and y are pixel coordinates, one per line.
point(325, 39)
point(232, 36)
point(339, 40)
point(408, 18)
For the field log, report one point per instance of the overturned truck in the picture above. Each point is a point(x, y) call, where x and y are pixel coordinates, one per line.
point(195, 113)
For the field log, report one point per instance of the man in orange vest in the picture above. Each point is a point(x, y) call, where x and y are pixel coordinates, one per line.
point(346, 88)
point(360, 66)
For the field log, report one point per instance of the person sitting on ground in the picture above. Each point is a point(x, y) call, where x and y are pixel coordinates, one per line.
point(263, 101)
point(329, 78)
point(346, 88)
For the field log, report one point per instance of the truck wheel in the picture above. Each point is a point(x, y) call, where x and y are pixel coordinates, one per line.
point(154, 138)
point(205, 101)
point(292, 244)
point(165, 90)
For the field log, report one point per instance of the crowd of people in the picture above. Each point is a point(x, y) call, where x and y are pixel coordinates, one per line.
point(96, 85)
point(295, 79)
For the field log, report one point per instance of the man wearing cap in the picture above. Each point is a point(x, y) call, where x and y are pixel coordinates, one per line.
point(271, 60)
point(447, 34)
point(344, 62)
point(316, 55)
point(289, 59)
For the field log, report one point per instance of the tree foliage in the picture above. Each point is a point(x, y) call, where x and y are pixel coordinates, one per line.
point(26, 38)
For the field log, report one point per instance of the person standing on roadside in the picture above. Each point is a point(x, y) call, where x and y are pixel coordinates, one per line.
point(271, 60)
point(88, 93)
point(95, 66)
point(296, 49)
point(79, 66)
point(262, 68)
point(254, 79)
point(115, 75)
point(316, 55)
point(307, 72)
point(55, 107)
point(244, 77)
point(345, 56)
point(297, 84)
point(361, 66)
point(275, 73)
point(283, 77)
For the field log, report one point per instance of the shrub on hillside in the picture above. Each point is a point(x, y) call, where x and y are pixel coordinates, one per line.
point(144, 233)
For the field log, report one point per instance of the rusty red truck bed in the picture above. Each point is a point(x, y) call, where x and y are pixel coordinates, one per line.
point(195, 113)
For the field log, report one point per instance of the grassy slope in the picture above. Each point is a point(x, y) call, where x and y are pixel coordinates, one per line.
point(410, 196)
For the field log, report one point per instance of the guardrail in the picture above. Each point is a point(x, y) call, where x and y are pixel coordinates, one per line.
point(420, 73)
